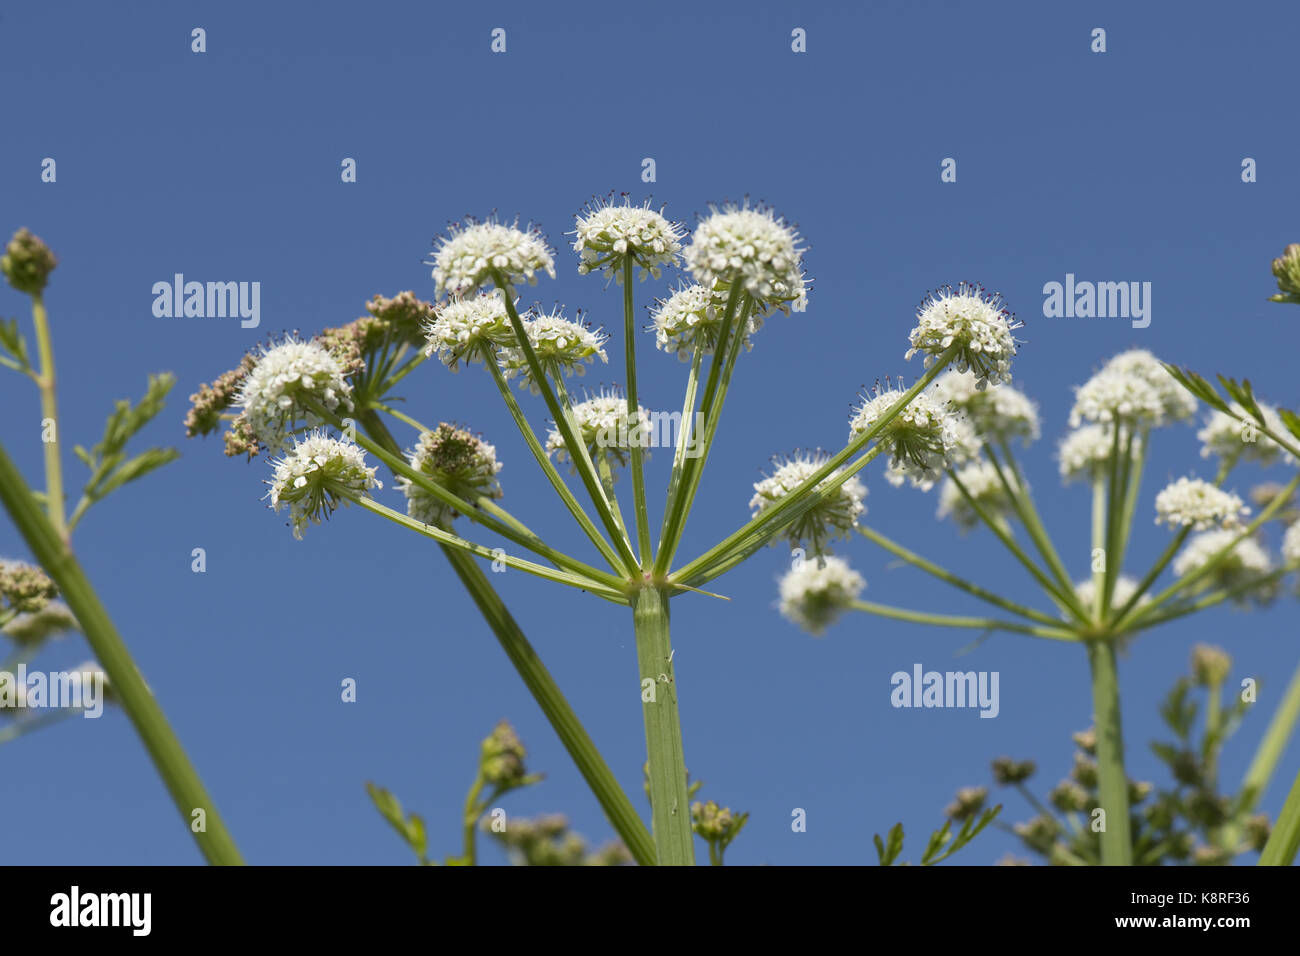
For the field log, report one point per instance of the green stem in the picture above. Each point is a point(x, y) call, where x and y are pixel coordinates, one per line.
point(137, 700)
point(1271, 748)
point(1280, 850)
point(1112, 780)
point(472, 812)
point(634, 418)
point(49, 411)
point(1029, 516)
point(674, 838)
point(948, 620)
point(1098, 544)
point(615, 803)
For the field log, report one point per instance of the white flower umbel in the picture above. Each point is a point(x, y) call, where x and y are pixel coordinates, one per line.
point(753, 247)
point(1190, 502)
point(998, 413)
point(315, 475)
point(1112, 395)
point(923, 440)
point(610, 233)
point(817, 590)
point(694, 315)
point(1291, 544)
point(1085, 451)
point(469, 254)
point(1244, 563)
point(561, 344)
point(457, 460)
point(1177, 403)
point(976, 322)
point(834, 517)
point(982, 482)
point(272, 393)
point(462, 328)
point(1229, 438)
point(1123, 591)
point(605, 427)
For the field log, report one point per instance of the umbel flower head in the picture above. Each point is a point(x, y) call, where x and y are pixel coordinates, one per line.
point(999, 413)
point(27, 263)
point(315, 475)
point(608, 234)
point(1176, 403)
point(816, 591)
point(457, 460)
point(1243, 564)
point(272, 393)
point(981, 481)
point(753, 247)
point(923, 440)
point(1287, 270)
point(975, 321)
point(469, 255)
point(1114, 395)
point(34, 627)
point(461, 329)
point(833, 517)
point(1241, 439)
point(25, 588)
point(502, 758)
point(693, 315)
point(208, 403)
point(562, 345)
point(1190, 502)
point(1085, 451)
point(604, 427)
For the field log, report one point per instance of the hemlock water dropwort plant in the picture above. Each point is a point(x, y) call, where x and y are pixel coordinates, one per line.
point(744, 264)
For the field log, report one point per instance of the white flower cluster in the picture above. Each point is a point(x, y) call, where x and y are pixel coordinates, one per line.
point(1177, 403)
point(753, 247)
point(1244, 563)
point(603, 425)
point(815, 592)
point(561, 345)
point(1227, 437)
point(608, 234)
point(694, 315)
point(468, 256)
point(315, 475)
point(1291, 544)
point(923, 440)
point(1085, 450)
point(272, 393)
point(1133, 387)
point(973, 320)
point(457, 460)
point(1190, 502)
point(981, 481)
point(462, 328)
point(833, 517)
point(999, 413)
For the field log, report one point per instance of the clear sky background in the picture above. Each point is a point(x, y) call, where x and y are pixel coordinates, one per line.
point(1123, 166)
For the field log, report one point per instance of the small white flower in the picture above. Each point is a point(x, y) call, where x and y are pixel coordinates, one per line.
point(1177, 403)
point(604, 426)
point(1291, 544)
point(998, 413)
point(608, 234)
point(457, 460)
point(561, 345)
point(315, 475)
point(1190, 502)
point(462, 328)
point(468, 256)
point(1123, 591)
point(835, 517)
point(817, 590)
point(1242, 564)
point(1085, 451)
point(271, 394)
point(923, 440)
point(1227, 437)
point(976, 322)
point(981, 480)
point(1113, 395)
point(694, 315)
point(753, 247)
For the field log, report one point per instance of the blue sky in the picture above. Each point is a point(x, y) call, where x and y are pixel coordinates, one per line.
point(1122, 166)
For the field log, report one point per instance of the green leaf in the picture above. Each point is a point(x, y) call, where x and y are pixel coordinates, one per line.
point(12, 341)
point(110, 469)
point(1197, 386)
point(1244, 396)
point(888, 852)
point(1290, 420)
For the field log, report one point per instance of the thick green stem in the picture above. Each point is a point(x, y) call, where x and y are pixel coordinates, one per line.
point(634, 419)
point(1285, 839)
point(674, 838)
point(50, 418)
point(1272, 746)
point(1112, 780)
point(178, 774)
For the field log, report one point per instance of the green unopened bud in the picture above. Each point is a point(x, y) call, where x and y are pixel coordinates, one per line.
point(1287, 270)
point(27, 263)
point(1210, 665)
point(968, 802)
point(1068, 797)
point(25, 587)
point(1257, 830)
point(1007, 771)
point(1139, 790)
point(711, 821)
point(1086, 740)
point(1084, 771)
point(1038, 833)
point(503, 758)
